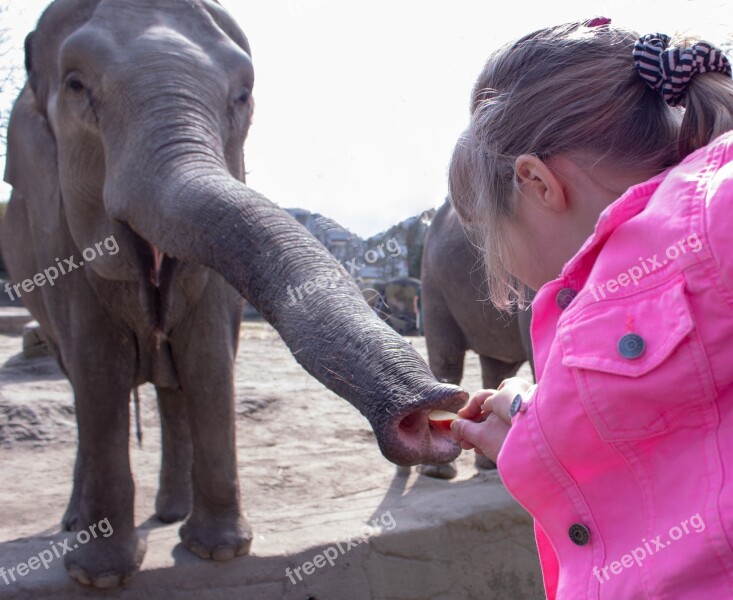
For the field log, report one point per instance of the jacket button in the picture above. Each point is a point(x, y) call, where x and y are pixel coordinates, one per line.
point(631, 346)
point(565, 297)
point(579, 534)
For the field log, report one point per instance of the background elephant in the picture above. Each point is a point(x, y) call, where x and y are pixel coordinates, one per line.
point(457, 316)
point(125, 153)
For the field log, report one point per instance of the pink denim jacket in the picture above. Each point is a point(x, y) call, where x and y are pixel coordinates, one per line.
point(624, 452)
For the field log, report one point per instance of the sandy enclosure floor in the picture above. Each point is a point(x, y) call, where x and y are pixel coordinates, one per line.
point(302, 450)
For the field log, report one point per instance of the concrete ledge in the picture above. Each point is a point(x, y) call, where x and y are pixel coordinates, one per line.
point(13, 319)
point(441, 541)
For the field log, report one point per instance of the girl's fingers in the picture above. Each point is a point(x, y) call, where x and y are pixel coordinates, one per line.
point(500, 402)
point(519, 384)
point(487, 436)
point(473, 407)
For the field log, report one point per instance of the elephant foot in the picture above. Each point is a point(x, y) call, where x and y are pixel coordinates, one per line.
point(106, 563)
point(173, 502)
point(446, 471)
point(484, 462)
point(220, 538)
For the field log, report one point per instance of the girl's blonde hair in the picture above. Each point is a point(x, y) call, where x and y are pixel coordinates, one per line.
point(569, 89)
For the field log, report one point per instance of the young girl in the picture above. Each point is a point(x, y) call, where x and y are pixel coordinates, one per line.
point(597, 170)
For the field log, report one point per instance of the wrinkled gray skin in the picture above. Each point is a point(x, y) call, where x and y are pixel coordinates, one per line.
point(132, 125)
point(457, 317)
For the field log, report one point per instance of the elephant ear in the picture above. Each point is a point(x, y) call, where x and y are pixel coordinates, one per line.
point(32, 69)
point(31, 166)
point(29, 56)
point(31, 162)
point(31, 150)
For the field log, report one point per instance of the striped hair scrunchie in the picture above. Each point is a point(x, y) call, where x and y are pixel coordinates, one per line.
point(669, 71)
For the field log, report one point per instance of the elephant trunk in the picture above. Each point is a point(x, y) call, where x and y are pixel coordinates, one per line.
point(205, 216)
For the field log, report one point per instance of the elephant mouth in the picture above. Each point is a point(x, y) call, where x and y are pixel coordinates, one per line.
point(160, 272)
point(156, 267)
point(415, 440)
point(157, 272)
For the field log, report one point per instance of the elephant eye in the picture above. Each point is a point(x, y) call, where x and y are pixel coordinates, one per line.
point(75, 84)
point(243, 97)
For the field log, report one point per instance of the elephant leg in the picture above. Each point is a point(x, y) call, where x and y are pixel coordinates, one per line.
point(173, 502)
point(216, 527)
point(494, 371)
point(446, 361)
point(444, 338)
point(104, 476)
point(484, 462)
point(445, 471)
point(70, 520)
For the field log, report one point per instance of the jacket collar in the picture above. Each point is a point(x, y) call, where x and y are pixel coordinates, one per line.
point(627, 206)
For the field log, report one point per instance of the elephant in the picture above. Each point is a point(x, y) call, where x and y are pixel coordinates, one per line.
point(125, 154)
point(456, 316)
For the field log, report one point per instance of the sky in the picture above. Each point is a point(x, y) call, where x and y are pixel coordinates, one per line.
point(359, 104)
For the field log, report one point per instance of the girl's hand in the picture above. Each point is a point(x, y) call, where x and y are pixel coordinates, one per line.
point(486, 436)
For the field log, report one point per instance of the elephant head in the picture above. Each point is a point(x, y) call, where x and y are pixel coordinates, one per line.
point(139, 112)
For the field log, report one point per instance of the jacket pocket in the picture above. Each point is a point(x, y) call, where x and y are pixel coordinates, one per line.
point(639, 364)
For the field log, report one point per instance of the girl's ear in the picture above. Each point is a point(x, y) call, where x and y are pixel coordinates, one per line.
point(539, 184)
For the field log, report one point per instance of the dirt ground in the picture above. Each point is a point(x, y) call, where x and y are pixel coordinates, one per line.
point(304, 454)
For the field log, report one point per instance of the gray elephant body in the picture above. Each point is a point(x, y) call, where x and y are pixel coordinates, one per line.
point(117, 321)
point(128, 140)
point(456, 314)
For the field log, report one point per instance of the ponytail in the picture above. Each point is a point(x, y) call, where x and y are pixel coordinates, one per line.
point(676, 72)
point(708, 111)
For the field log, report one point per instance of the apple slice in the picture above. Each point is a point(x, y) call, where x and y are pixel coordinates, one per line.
point(442, 418)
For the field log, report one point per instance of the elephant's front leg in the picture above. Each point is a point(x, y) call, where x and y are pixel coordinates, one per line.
point(204, 348)
point(113, 551)
point(70, 520)
point(173, 502)
point(216, 527)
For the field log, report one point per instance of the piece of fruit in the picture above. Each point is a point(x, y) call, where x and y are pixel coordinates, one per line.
point(442, 418)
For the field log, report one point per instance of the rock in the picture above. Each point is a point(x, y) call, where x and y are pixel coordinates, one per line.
point(33, 344)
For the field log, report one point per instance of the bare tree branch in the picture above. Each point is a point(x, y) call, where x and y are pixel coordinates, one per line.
point(11, 77)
